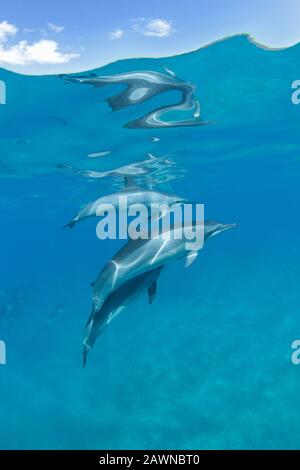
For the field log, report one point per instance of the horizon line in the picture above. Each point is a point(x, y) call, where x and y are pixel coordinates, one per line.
point(247, 36)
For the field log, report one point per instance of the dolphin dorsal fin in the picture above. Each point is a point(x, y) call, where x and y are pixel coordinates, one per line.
point(152, 291)
point(129, 183)
point(190, 258)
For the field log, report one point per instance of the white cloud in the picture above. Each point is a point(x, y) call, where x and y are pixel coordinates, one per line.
point(34, 30)
point(55, 27)
point(44, 51)
point(117, 34)
point(40, 52)
point(7, 29)
point(29, 30)
point(153, 27)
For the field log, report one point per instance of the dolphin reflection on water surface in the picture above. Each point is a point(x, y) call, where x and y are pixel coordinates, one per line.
point(140, 87)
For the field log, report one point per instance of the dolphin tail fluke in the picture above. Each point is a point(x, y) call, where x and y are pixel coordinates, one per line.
point(67, 78)
point(69, 225)
point(86, 350)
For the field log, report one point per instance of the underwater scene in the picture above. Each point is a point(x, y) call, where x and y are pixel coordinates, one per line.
point(105, 346)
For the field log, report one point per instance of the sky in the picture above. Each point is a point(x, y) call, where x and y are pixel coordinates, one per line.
point(71, 36)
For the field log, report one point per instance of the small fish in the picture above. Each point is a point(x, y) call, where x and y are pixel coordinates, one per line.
point(58, 310)
point(22, 141)
point(169, 71)
point(63, 121)
point(99, 154)
point(12, 302)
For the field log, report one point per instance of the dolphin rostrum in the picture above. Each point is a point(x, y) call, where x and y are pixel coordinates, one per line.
point(142, 255)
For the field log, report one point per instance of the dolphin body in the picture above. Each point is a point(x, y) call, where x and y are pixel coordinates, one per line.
point(141, 86)
point(140, 256)
point(134, 195)
point(118, 301)
point(132, 169)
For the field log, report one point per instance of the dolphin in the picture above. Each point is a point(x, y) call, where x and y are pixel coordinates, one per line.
point(134, 194)
point(142, 255)
point(141, 86)
point(141, 167)
point(118, 301)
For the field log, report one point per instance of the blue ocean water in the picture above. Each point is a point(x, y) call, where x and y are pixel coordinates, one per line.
point(208, 365)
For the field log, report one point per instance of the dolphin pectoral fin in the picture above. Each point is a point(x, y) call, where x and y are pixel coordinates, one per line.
point(114, 314)
point(152, 291)
point(190, 258)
